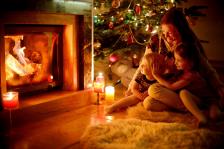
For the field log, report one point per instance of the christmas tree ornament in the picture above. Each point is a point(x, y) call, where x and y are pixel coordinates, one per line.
point(130, 39)
point(138, 9)
point(116, 3)
point(111, 25)
point(114, 57)
point(121, 19)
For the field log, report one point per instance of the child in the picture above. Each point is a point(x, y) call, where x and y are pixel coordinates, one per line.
point(194, 91)
point(141, 84)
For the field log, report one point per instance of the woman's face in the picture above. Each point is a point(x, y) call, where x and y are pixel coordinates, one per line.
point(171, 34)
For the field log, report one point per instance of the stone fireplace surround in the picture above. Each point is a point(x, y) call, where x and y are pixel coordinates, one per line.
point(71, 96)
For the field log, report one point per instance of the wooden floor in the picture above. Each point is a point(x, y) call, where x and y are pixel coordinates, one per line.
point(59, 132)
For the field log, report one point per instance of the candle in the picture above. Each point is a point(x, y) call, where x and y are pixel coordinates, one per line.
point(98, 87)
point(10, 100)
point(100, 82)
point(50, 78)
point(109, 94)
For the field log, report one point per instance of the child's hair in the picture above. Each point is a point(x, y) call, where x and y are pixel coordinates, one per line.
point(189, 52)
point(152, 58)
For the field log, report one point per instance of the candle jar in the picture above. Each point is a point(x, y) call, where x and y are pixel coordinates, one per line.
point(100, 80)
point(109, 94)
point(98, 88)
point(10, 100)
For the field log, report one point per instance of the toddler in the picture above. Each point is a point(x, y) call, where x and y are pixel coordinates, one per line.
point(142, 82)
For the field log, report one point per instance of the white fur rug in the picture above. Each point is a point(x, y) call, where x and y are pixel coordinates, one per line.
point(139, 112)
point(142, 134)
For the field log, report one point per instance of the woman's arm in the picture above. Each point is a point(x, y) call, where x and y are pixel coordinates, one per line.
point(173, 86)
point(183, 81)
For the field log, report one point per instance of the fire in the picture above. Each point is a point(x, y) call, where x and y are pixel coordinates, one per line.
point(17, 63)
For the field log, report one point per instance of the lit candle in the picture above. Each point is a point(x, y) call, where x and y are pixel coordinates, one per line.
point(100, 82)
point(10, 100)
point(50, 78)
point(109, 94)
point(98, 87)
point(100, 78)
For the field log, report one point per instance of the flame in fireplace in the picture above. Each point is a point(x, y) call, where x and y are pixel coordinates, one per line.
point(17, 64)
point(19, 51)
point(29, 58)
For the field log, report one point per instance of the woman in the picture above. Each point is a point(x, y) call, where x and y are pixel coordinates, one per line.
point(176, 30)
point(187, 88)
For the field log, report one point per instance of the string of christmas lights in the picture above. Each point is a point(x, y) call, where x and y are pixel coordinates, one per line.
point(120, 23)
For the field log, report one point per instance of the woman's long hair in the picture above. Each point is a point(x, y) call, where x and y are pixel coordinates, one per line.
point(177, 18)
point(188, 52)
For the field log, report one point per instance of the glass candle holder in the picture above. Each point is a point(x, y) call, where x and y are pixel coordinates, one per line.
point(10, 100)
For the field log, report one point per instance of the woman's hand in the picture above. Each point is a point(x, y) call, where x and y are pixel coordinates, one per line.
point(156, 69)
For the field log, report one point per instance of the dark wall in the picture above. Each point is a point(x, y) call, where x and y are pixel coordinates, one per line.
point(211, 27)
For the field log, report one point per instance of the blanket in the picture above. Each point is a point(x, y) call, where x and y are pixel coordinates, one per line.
point(152, 130)
point(143, 134)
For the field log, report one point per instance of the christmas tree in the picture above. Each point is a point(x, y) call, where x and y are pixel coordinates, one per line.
point(122, 24)
point(123, 28)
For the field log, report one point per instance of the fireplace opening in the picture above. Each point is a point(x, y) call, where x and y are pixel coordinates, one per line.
point(33, 58)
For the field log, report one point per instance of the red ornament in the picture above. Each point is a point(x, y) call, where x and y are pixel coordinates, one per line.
point(114, 57)
point(130, 39)
point(116, 3)
point(137, 9)
point(111, 25)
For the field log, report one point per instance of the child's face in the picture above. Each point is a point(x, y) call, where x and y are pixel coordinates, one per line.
point(181, 63)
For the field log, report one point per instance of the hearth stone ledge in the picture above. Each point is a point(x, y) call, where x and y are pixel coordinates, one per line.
point(43, 106)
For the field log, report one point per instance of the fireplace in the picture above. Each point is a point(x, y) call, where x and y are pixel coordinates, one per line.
point(33, 57)
point(46, 49)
